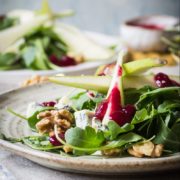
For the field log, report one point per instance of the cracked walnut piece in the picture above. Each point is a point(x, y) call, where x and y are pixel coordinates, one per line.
point(34, 80)
point(62, 118)
point(146, 149)
point(111, 152)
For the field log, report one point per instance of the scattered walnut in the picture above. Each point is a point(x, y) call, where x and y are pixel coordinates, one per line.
point(62, 118)
point(34, 80)
point(134, 153)
point(67, 149)
point(158, 149)
point(111, 152)
point(146, 149)
point(44, 125)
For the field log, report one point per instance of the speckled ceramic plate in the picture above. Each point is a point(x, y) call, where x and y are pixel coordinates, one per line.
point(14, 127)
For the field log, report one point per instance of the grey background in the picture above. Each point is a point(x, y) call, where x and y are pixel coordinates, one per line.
point(100, 15)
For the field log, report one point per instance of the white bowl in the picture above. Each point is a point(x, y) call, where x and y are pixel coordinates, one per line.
point(146, 38)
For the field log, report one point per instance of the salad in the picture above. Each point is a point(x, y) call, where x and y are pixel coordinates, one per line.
point(117, 113)
point(34, 40)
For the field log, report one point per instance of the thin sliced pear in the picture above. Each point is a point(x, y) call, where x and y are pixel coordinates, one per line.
point(134, 67)
point(102, 83)
point(80, 44)
point(10, 35)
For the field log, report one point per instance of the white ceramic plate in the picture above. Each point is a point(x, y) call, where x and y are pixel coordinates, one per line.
point(14, 127)
point(85, 68)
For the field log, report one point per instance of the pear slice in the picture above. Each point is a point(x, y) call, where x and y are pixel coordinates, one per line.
point(133, 67)
point(102, 83)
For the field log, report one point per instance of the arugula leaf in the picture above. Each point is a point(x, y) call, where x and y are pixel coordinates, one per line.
point(132, 95)
point(114, 129)
point(169, 137)
point(158, 94)
point(84, 138)
point(32, 112)
point(32, 120)
point(169, 105)
point(123, 140)
point(40, 143)
point(144, 115)
point(82, 101)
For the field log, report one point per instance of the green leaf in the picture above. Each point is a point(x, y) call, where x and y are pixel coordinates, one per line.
point(158, 94)
point(132, 95)
point(114, 129)
point(39, 143)
point(123, 140)
point(7, 22)
point(29, 55)
point(32, 120)
point(143, 115)
point(84, 138)
point(169, 105)
point(82, 101)
point(8, 59)
point(169, 137)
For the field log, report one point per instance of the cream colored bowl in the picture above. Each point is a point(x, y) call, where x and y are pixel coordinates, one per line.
point(147, 38)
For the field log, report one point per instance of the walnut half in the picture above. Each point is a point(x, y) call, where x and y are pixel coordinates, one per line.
point(62, 118)
point(146, 149)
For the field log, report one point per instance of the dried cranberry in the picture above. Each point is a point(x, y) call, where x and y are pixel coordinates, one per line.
point(49, 104)
point(63, 61)
point(162, 80)
point(53, 140)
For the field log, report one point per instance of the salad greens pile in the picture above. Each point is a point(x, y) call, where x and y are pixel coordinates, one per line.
point(156, 120)
point(35, 51)
point(42, 44)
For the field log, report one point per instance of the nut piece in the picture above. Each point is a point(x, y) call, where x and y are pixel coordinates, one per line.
point(65, 114)
point(158, 149)
point(67, 149)
point(134, 153)
point(62, 118)
point(111, 152)
point(144, 148)
point(34, 80)
point(44, 126)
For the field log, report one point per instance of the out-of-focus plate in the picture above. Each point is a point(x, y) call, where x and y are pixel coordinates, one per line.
point(84, 68)
point(14, 127)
